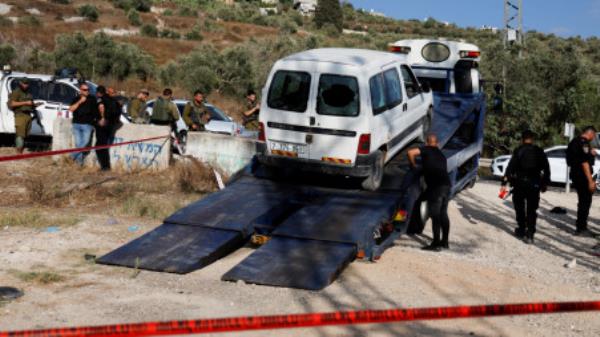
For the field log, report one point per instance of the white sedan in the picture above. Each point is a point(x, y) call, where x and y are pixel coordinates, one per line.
point(557, 156)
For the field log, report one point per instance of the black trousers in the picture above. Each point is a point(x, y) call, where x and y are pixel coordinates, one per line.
point(584, 197)
point(526, 198)
point(105, 135)
point(437, 201)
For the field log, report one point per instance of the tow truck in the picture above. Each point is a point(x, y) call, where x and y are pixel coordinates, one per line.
point(312, 227)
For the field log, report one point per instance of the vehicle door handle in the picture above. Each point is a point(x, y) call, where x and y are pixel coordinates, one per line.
point(405, 107)
point(312, 121)
point(309, 139)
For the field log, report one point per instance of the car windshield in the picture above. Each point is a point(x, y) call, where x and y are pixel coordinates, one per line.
point(216, 114)
point(289, 91)
point(338, 96)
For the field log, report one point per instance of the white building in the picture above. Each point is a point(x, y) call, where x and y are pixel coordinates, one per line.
point(306, 7)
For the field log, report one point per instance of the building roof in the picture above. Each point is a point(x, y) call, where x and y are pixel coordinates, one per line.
point(346, 56)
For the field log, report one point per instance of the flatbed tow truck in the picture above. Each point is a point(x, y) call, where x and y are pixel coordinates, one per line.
point(316, 226)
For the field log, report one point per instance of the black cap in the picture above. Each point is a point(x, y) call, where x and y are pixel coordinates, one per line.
point(24, 80)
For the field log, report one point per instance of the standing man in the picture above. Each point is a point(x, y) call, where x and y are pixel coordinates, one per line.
point(137, 107)
point(84, 110)
point(21, 103)
point(195, 113)
point(580, 158)
point(435, 171)
point(251, 112)
point(529, 173)
point(165, 112)
point(110, 114)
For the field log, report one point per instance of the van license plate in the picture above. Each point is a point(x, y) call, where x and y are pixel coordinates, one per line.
point(301, 151)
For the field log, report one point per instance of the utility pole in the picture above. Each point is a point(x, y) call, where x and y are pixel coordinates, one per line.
point(513, 23)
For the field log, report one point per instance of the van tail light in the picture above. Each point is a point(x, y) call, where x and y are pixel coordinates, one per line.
point(470, 54)
point(364, 144)
point(261, 132)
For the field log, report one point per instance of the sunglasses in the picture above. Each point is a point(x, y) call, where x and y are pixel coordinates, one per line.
point(85, 90)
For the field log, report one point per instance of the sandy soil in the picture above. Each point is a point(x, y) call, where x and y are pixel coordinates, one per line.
point(486, 264)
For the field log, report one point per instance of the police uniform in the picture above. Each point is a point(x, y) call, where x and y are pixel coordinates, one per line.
point(195, 113)
point(578, 153)
point(251, 122)
point(23, 117)
point(529, 174)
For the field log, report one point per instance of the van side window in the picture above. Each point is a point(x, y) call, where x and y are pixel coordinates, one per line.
point(61, 93)
point(289, 91)
point(338, 96)
point(378, 94)
point(410, 82)
point(393, 88)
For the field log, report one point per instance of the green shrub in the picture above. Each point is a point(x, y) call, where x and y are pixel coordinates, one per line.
point(138, 5)
point(194, 34)
point(134, 18)
point(30, 20)
point(149, 31)
point(7, 54)
point(168, 12)
point(329, 12)
point(169, 34)
point(89, 12)
point(187, 11)
point(5, 22)
point(61, 2)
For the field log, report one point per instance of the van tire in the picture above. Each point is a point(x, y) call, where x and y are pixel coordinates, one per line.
point(426, 124)
point(373, 181)
point(418, 217)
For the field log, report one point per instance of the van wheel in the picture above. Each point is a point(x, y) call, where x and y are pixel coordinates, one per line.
point(419, 216)
point(426, 125)
point(373, 182)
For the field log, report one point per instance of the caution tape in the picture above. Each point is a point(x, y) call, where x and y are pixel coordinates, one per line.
point(82, 149)
point(238, 324)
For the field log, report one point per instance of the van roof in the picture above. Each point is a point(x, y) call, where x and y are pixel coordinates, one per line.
point(346, 56)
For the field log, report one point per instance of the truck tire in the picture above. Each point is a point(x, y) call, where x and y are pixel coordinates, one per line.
point(373, 182)
point(426, 124)
point(419, 216)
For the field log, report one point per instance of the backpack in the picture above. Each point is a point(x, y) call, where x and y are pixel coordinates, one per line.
point(160, 111)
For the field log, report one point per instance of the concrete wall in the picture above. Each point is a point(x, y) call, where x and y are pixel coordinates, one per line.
point(154, 154)
point(226, 153)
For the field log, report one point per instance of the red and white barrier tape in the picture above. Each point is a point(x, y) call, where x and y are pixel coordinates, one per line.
point(237, 324)
point(66, 151)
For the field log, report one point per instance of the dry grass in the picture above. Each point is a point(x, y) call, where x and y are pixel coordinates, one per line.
point(36, 218)
point(39, 277)
point(195, 177)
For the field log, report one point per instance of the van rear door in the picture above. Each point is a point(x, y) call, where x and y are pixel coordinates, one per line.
point(286, 120)
point(335, 120)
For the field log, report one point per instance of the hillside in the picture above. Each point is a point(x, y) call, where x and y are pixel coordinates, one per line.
point(191, 44)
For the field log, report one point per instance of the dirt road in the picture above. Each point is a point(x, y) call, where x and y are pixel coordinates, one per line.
point(486, 264)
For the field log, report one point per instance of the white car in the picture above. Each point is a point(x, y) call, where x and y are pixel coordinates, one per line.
point(557, 157)
point(342, 111)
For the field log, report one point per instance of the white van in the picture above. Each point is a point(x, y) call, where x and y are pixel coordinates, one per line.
point(342, 111)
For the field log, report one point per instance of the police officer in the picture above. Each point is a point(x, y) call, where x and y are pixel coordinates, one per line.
point(195, 113)
point(252, 111)
point(580, 158)
point(435, 172)
point(529, 174)
point(21, 103)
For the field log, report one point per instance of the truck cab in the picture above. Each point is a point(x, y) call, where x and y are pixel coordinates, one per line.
point(54, 93)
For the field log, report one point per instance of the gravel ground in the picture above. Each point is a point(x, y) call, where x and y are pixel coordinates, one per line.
point(486, 264)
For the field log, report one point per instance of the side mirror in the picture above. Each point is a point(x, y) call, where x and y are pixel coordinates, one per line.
point(426, 87)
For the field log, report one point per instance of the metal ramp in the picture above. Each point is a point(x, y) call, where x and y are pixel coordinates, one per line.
point(208, 230)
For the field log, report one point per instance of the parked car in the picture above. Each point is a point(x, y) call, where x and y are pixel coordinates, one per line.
point(342, 111)
point(557, 157)
point(219, 122)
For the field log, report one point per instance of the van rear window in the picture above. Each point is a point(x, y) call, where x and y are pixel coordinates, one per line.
point(338, 96)
point(289, 91)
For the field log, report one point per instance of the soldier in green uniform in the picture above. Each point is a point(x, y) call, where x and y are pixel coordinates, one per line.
point(137, 108)
point(195, 113)
point(252, 111)
point(21, 103)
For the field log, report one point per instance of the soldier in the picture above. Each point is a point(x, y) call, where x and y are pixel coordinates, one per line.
point(581, 157)
point(165, 112)
point(137, 108)
point(21, 103)
point(529, 173)
point(252, 111)
point(195, 113)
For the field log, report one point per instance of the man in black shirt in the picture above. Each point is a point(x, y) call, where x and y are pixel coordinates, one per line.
point(435, 171)
point(581, 157)
point(85, 113)
point(529, 173)
point(110, 113)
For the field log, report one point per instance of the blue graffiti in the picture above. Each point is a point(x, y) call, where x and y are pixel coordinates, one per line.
point(137, 154)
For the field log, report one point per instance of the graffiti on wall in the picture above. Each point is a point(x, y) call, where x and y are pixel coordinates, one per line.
point(138, 155)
